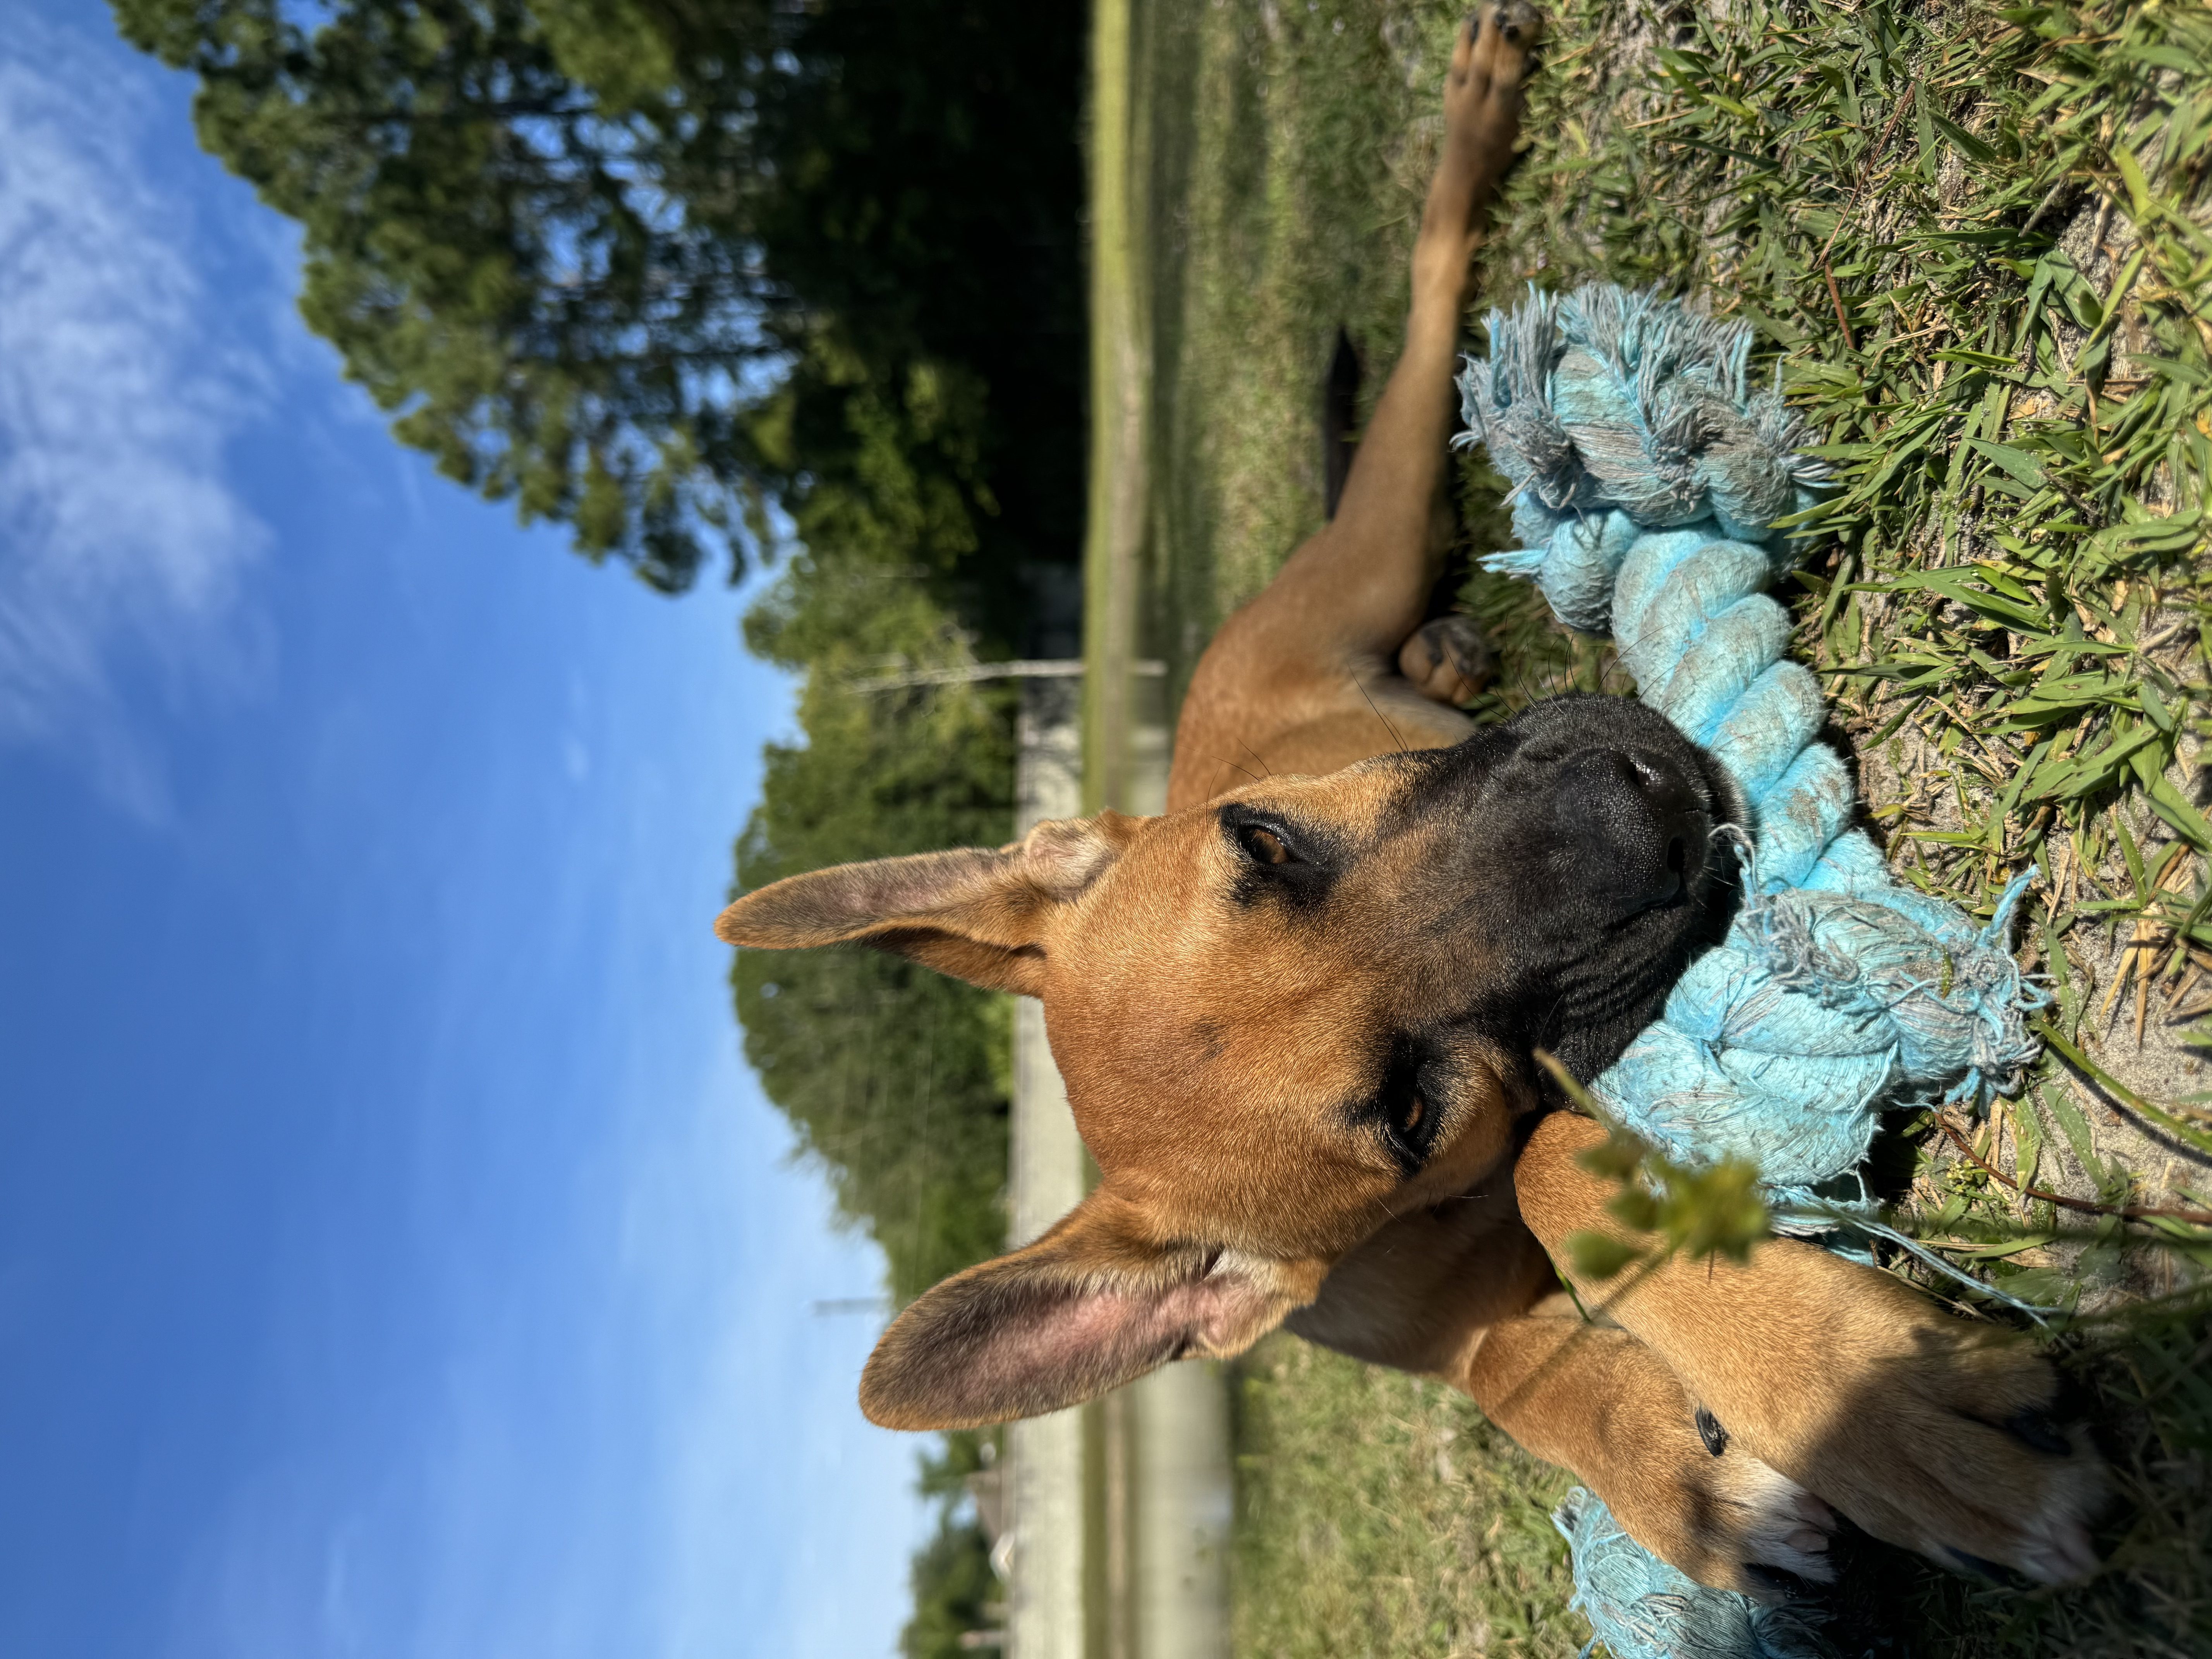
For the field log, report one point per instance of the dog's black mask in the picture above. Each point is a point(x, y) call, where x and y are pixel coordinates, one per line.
point(1585, 860)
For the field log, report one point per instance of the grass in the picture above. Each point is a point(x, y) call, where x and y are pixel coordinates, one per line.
point(1974, 241)
point(1381, 1515)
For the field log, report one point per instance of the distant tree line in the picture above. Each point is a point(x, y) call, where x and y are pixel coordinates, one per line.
point(735, 283)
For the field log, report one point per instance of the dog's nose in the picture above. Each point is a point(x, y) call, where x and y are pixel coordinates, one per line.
point(1685, 827)
point(1637, 823)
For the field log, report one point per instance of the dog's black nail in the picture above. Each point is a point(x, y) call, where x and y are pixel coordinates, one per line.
point(1780, 1586)
point(1710, 1432)
point(1975, 1567)
point(2036, 1428)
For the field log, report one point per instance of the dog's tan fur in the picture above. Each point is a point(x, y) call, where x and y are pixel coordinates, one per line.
point(1205, 1044)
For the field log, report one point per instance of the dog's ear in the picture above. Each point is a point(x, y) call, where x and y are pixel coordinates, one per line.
point(1088, 1307)
point(976, 914)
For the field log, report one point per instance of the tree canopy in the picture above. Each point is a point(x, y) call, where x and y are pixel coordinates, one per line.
point(689, 275)
point(719, 280)
point(647, 267)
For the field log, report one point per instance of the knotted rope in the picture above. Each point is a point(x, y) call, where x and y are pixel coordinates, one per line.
point(1648, 478)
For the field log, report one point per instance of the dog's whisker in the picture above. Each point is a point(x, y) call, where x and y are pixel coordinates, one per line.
point(1379, 716)
point(1257, 756)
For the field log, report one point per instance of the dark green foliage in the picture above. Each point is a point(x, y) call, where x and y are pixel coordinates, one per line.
point(634, 265)
point(952, 1582)
point(929, 200)
point(955, 1591)
point(551, 279)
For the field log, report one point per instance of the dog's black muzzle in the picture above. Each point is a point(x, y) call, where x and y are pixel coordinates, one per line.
point(1585, 857)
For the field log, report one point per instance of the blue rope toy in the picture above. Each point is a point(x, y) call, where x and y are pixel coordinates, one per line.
point(1648, 480)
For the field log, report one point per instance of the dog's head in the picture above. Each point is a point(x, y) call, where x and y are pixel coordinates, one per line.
point(1283, 1016)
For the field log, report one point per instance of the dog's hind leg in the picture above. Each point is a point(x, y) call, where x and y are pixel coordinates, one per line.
point(1316, 657)
point(1377, 559)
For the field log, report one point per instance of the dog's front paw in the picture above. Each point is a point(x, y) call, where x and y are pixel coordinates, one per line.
point(1929, 1432)
point(1954, 1451)
point(1723, 1518)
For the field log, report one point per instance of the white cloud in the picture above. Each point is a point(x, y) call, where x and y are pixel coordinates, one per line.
point(121, 544)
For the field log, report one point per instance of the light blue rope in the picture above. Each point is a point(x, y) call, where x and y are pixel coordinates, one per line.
point(1648, 476)
point(1642, 1608)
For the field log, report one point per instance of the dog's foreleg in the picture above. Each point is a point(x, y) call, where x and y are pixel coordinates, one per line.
point(1597, 1401)
point(1929, 1431)
point(1464, 1292)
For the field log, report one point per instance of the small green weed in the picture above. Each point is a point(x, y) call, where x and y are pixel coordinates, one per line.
point(1712, 1209)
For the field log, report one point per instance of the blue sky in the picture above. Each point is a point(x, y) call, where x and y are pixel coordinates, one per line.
point(396, 1258)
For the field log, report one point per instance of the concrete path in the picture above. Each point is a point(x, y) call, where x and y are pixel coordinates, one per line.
point(1047, 1173)
point(1119, 1511)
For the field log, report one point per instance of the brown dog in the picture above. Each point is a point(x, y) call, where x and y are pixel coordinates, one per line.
point(1296, 1019)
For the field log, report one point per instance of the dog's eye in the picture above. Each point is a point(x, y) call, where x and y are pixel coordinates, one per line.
point(1290, 866)
point(1404, 1106)
point(1411, 1128)
point(1263, 845)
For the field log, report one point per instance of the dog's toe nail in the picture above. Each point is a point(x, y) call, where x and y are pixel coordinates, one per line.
point(2067, 1557)
point(1817, 1514)
point(1772, 1584)
point(1975, 1567)
point(2035, 1427)
point(1710, 1432)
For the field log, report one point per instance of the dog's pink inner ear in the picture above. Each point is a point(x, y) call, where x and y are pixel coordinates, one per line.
point(1041, 1329)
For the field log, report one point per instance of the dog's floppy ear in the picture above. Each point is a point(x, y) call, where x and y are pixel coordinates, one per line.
point(1088, 1307)
point(977, 914)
